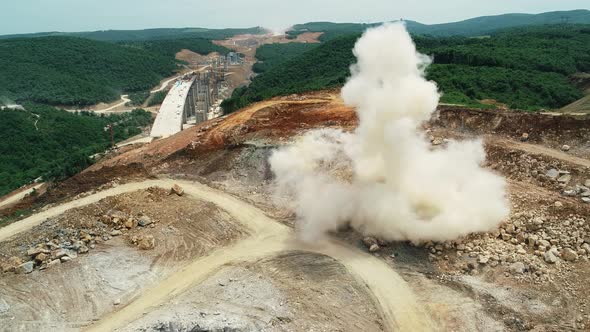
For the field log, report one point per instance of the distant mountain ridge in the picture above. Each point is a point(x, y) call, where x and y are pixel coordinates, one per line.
point(487, 24)
point(471, 27)
point(477, 26)
point(146, 34)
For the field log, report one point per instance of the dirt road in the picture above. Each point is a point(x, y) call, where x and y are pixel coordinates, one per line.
point(542, 150)
point(18, 196)
point(395, 300)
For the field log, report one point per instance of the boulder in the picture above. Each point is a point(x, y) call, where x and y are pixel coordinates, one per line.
point(483, 259)
point(565, 147)
point(587, 183)
point(437, 141)
point(130, 223)
point(517, 268)
point(176, 189)
point(116, 232)
point(58, 254)
point(569, 255)
point(115, 217)
point(146, 242)
point(11, 264)
point(374, 248)
point(37, 250)
point(369, 241)
point(85, 237)
point(550, 257)
point(83, 249)
point(552, 173)
point(564, 178)
point(41, 257)
point(144, 221)
point(26, 268)
point(65, 259)
point(524, 137)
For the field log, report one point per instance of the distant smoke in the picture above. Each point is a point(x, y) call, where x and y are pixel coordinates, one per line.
point(384, 179)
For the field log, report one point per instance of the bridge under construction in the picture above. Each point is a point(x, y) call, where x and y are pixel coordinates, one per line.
point(194, 98)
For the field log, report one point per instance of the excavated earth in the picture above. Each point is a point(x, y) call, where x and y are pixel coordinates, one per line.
point(123, 251)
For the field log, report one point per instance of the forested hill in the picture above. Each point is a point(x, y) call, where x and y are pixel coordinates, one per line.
point(478, 26)
point(76, 71)
point(44, 141)
point(526, 68)
point(488, 24)
point(147, 34)
point(169, 47)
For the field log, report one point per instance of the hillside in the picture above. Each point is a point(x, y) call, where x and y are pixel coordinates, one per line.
point(76, 71)
point(472, 27)
point(169, 47)
point(147, 34)
point(44, 141)
point(271, 55)
point(520, 67)
point(487, 24)
point(325, 66)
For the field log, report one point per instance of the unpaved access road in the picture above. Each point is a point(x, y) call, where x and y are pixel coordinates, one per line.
point(390, 292)
point(542, 150)
point(19, 196)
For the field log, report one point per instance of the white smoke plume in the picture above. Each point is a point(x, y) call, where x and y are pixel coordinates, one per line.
point(384, 179)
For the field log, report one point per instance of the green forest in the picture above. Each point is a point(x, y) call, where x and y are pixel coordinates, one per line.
point(54, 144)
point(76, 71)
point(327, 65)
point(271, 55)
point(526, 68)
point(157, 98)
point(169, 47)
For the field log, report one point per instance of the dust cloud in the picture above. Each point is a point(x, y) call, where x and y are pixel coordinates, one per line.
point(384, 179)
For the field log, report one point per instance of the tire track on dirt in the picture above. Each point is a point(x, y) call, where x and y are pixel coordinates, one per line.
point(391, 294)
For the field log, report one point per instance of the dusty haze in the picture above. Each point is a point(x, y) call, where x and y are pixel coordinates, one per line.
point(384, 179)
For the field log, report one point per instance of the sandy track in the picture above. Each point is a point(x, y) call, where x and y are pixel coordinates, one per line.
point(19, 196)
point(395, 300)
point(542, 150)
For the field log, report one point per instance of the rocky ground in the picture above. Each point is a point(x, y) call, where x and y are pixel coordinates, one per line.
point(530, 274)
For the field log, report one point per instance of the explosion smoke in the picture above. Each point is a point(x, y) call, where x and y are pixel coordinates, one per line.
point(383, 179)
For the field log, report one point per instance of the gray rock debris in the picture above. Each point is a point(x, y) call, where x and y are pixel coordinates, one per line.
point(26, 267)
point(552, 173)
point(144, 221)
point(517, 268)
point(550, 256)
point(569, 255)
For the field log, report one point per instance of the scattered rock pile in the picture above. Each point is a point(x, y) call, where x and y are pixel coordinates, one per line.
point(69, 242)
point(531, 244)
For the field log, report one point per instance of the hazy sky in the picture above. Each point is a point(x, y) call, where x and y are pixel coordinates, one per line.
point(22, 16)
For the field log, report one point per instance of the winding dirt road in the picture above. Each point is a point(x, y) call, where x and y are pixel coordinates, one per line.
point(390, 292)
point(19, 196)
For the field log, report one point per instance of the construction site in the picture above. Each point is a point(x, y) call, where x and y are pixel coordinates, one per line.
point(195, 97)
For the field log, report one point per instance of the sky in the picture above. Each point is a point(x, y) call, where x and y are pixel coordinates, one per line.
point(25, 16)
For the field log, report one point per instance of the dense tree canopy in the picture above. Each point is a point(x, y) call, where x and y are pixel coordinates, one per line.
point(169, 47)
point(75, 71)
point(44, 141)
point(526, 68)
point(270, 55)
